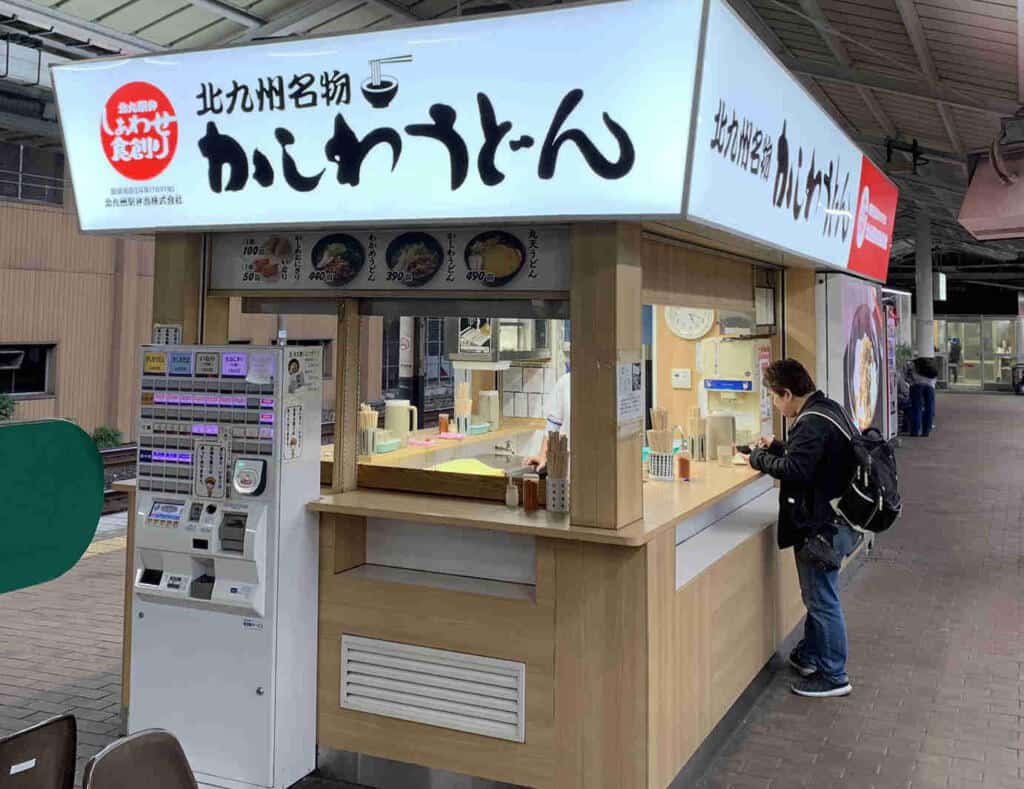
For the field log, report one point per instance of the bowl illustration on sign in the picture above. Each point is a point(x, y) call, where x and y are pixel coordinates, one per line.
point(495, 257)
point(379, 89)
point(414, 258)
point(339, 257)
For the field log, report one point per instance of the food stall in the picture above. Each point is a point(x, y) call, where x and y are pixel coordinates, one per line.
point(590, 626)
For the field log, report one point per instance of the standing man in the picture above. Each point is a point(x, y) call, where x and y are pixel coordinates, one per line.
point(815, 466)
point(557, 413)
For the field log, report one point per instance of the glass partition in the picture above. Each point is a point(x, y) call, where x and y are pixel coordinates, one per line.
point(1000, 347)
point(964, 353)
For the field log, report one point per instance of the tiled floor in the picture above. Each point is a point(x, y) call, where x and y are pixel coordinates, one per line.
point(936, 627)
point(936, 620)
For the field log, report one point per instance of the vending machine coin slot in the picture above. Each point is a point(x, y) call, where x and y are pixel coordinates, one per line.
point(232, 533)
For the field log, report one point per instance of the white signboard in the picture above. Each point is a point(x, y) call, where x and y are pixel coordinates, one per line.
point(769, 163)
point(453, 259)
point(574, 112)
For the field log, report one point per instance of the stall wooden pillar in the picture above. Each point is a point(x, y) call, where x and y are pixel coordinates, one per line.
point(605, 308)
point(346, 406)
point(177, 283)
point(801, 327)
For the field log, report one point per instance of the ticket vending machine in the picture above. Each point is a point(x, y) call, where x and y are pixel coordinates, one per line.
point(226, 559)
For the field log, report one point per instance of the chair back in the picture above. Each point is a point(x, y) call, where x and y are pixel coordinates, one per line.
point(40, 757)
point(150, 759)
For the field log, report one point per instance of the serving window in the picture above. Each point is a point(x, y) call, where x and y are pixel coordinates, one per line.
point(455, 404)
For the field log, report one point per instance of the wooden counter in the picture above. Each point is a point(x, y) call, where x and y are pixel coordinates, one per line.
point(665, 505)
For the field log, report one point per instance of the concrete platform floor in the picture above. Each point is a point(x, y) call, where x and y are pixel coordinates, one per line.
point(936, 629)
point(936, 624)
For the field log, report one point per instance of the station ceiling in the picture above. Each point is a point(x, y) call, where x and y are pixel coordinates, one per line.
point(942, 72)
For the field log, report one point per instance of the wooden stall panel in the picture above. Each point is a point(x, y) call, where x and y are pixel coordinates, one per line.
point(679, 663)
point(708, 641)
point(801, 329)
point(742, 593)
point(601, 664)
point(458, 621)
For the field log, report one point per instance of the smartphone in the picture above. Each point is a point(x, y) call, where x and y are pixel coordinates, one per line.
point(743, 450)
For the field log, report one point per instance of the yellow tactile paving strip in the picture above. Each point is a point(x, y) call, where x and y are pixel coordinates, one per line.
point(106, 546)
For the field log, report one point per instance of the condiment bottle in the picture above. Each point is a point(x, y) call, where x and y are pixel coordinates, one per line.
point(442, 423)
point(531, 492)
point(511, 494)
point(682, 466)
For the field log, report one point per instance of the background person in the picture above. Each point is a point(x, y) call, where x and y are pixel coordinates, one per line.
point(923, 375)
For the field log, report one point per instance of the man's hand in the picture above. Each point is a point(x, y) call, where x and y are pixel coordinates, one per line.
point(537, 462)
point(765, 442)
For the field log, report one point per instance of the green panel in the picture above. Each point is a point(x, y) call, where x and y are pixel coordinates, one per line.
point(51, 498)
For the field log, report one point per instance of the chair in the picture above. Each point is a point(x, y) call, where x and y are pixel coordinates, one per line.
point(152, 759)
point(40, 757)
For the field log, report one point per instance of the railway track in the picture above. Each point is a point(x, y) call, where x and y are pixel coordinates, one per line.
point(119, 463)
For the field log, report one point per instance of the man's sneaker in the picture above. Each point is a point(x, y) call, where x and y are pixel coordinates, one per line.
point(817, 687)
point(801, 668)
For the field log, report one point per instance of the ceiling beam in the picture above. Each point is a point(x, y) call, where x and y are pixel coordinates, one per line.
point(904, 86)
point(73, 27)
point(313, 13)
point(812, 10)
point(1020, 51)
point(232, 12)
point(912, 22)
point(26, 125)
point(756, 23)
point(1017, 288)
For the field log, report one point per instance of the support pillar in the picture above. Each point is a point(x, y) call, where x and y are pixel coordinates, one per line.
point(925, 302)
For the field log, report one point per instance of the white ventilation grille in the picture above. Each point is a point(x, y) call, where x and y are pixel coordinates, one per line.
point(475, 694)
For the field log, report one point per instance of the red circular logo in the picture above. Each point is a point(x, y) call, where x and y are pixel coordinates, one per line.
point(139, 131)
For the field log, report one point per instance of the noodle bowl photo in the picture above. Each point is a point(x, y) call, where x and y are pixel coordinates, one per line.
point(863, 369)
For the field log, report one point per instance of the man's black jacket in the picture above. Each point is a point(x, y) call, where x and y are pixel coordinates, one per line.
point(815, 466)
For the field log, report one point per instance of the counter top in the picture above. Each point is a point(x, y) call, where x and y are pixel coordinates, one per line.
point(510, 428)
point(665, 505)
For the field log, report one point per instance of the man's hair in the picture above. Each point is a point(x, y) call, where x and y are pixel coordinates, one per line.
point(788, 374)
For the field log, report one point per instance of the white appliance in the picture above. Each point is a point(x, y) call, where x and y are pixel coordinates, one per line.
point(226, 559)
point(731, 373)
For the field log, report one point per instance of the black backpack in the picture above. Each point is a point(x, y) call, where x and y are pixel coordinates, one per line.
point(872, 501)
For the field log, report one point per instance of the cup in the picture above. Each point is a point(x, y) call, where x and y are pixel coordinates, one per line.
point(400, 417)
point(725, 453)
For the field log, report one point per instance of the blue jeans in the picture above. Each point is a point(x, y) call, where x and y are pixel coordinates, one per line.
point(922, 409)
point(824, 643)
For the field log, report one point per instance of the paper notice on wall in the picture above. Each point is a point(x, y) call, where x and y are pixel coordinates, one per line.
point(764, 360)
point(305, 369)
point(630, 396)
point(261, 368)
point(292, 433)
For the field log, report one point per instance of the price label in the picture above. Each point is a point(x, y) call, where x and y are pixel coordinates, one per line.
point(208, 364)
point(154, 363)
